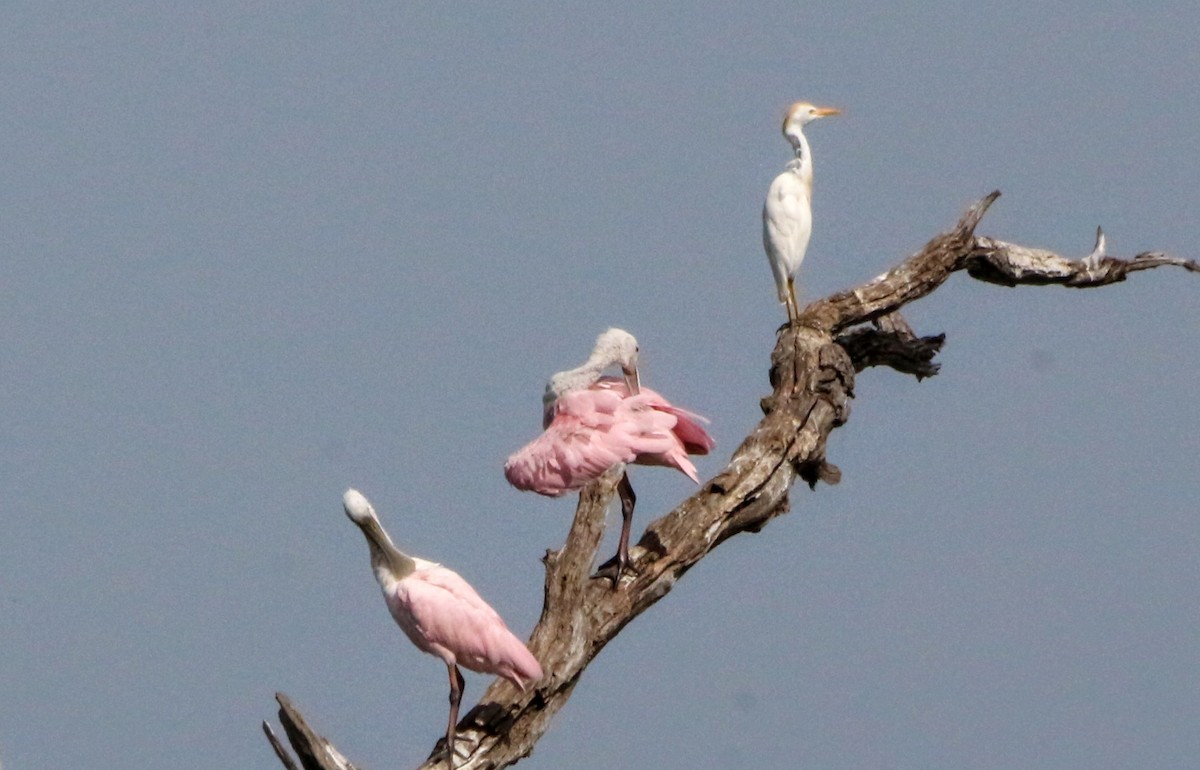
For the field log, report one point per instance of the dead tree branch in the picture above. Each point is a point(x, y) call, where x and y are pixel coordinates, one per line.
point(812, 379)
point(1009, 265)
point(889, 341)
point(315, 752)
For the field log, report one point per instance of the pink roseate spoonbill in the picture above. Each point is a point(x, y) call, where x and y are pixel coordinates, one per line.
point(441, 614)
point(593, 423)
point(787, 213)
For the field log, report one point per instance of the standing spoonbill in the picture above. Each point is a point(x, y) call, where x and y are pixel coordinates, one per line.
point(593, 423)
point(441, 614)
point(787, 213)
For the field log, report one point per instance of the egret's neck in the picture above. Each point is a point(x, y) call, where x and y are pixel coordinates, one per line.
point(802, 165)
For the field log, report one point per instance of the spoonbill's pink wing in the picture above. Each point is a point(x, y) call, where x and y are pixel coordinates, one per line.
point(688, 428)
point(696, 440)
point(576, 449)
point(594, 429)
point(650, 433)
point(456, 625)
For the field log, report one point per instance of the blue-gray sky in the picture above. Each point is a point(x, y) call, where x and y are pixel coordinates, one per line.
point(258, 252)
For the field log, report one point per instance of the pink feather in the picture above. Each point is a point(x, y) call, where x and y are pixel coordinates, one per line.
point(443, 615)
point(598, 427)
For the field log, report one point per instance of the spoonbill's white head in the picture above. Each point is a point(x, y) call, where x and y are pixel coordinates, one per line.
point(357, 507)
point(389, 563)
point(619, 347)
point(615, 347)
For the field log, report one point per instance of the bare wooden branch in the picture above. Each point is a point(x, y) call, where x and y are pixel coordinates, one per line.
point(280, 751)
point(812, 375)
point(890, 341)
point(314, 752)
point(1008, 264)
point(912, 279)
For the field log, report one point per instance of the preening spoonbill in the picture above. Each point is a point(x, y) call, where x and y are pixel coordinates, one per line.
point(787, 213)
point(441, 614)
point(593, 423)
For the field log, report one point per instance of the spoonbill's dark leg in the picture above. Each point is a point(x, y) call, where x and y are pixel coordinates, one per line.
point(456, 685)
point(628, 498)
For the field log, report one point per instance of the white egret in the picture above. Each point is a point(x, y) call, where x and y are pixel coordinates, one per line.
point(787, 213)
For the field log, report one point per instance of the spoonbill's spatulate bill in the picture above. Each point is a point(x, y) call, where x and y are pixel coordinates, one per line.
point(593, 423)
point(441, 614)
point(787, 213)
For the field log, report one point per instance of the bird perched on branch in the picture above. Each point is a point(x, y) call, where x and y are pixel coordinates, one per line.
point(787, 213)
point(593, 423)
point(441, 614)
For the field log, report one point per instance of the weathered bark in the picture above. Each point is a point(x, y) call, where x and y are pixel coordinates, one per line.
point(812, 378)
point(315, 752)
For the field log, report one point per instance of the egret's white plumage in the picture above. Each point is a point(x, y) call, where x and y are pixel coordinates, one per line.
point(787, 213)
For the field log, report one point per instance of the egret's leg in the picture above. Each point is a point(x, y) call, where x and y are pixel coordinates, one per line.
point(794, 307)
point(625, 491)
point(456, 687)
